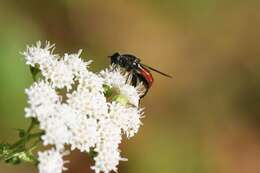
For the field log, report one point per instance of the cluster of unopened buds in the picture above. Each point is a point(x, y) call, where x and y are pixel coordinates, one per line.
point(71, 108)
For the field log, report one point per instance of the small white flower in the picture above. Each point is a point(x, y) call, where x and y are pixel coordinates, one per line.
point(107, 148)
point(83, 129)
point(109, 132)
point(117, 79)
point(56, 133)
point(60, 71)
point(55, 126)
point(42, 99)
point(131, 93)
point(113, 76)
point(127, 118)
point(84, 133)
point(90, 81)
point(77, 65)
point(39, 55)
point(51, 161)
point(60, 74)
point(107, 160)
point(90, 104)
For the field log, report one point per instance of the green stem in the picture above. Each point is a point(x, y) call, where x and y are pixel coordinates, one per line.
point(19, 143)
point(19, 146)
point(28, 136)
point(21, 150)
point(35, 135)
point(32, 124)
point(26, 139)
point(35, 144)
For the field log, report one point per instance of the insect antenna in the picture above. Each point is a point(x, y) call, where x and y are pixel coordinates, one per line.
point(153, 69)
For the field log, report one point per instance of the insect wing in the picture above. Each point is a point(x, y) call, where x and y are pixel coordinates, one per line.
point(153, 69)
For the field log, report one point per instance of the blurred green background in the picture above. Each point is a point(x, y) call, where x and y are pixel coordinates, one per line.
point(205, 120)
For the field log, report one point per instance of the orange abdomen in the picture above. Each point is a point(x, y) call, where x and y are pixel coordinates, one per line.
point(147, 75)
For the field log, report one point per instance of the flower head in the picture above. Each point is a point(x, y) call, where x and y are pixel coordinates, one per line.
point(42, 99)
point(119, 79)
point(90, 104)
point(84, 133)
point(60, 74)
point(114, 76)
point(90, 81)
point(39, 55)
point(76, 64)
point(51, 161)
point(126, 118)
point(107, 159)
point(107, 147)
point(56, 127)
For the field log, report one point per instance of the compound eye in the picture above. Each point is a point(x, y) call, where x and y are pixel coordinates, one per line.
point(120, 59)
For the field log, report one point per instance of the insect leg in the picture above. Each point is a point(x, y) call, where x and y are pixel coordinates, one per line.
point(114, 66)
point(144, 83)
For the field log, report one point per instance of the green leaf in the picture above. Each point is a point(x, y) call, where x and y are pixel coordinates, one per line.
point(5, 149)
point(21, 132)
point(34, 71)
point(92, 153)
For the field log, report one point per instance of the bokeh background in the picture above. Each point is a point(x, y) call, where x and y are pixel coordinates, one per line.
point(206, 119)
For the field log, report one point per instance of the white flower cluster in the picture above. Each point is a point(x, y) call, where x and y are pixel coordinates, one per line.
point(71, 106)
point(51, 161)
